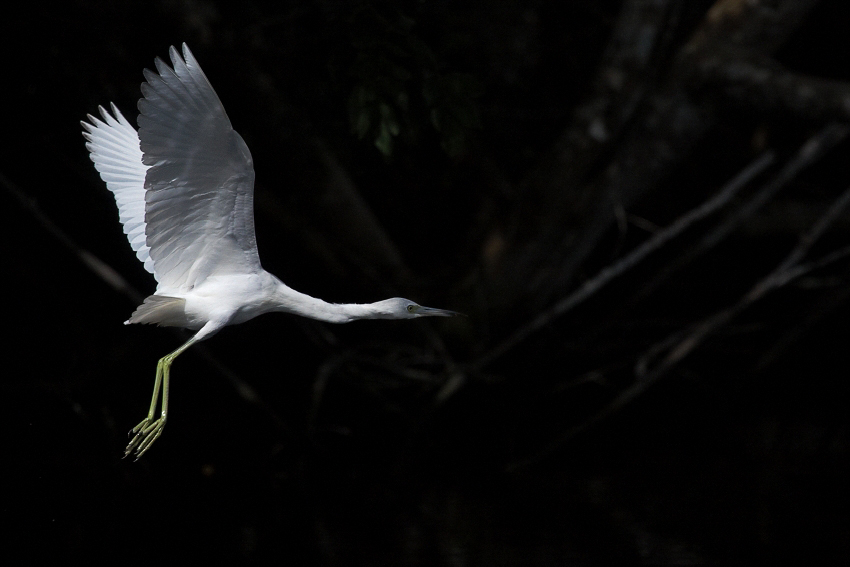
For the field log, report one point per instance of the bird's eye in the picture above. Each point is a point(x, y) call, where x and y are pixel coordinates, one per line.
point(412, 308)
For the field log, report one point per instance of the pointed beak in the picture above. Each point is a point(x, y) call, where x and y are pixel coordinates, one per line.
point(432, 312)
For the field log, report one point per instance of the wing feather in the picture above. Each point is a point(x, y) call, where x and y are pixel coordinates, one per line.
point(113, 146)
point(199, 201)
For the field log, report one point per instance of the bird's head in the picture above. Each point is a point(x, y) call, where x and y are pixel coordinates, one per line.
point(401, 308)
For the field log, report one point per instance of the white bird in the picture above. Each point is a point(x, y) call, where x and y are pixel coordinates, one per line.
point(184, 186)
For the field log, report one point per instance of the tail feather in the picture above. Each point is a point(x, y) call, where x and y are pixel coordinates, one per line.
point(160, 309)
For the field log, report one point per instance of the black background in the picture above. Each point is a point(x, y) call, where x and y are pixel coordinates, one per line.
point(390, 443)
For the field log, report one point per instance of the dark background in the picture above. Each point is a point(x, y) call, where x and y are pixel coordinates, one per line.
point(491, 157)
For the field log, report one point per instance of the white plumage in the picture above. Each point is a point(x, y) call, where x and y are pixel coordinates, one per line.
point(184, 187)
point(114, 149)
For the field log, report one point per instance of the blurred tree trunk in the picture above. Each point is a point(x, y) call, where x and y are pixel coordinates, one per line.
point(646, 110)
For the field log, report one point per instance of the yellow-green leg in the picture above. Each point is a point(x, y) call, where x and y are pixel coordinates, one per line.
point(150, 429)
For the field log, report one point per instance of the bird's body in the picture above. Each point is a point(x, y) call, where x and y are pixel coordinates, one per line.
point(230, 299)
point(184, 188)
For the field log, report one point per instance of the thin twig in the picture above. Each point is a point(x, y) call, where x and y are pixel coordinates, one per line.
point(100, 268)
point(825, 308)
point(788, 270)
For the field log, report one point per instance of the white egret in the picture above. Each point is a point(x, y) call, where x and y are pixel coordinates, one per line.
point(184, 188)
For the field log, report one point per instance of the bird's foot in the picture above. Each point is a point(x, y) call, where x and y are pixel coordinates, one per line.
point(144, 435)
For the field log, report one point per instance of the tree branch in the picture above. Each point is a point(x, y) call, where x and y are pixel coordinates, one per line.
point(563, 231)
point(761, 84)
point(809, 153)
point(604, 277)
point(677, 346)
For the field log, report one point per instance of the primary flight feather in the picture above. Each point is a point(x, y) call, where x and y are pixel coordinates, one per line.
point(184, 186)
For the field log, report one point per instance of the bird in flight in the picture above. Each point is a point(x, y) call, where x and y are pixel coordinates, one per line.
point(184, 186)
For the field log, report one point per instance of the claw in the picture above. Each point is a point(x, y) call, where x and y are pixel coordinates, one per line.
point(145, 433)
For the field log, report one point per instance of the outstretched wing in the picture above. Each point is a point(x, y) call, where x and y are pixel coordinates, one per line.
point(113, 146)
point(199, 215)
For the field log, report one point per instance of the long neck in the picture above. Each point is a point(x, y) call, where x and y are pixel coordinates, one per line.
point(287, 300)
